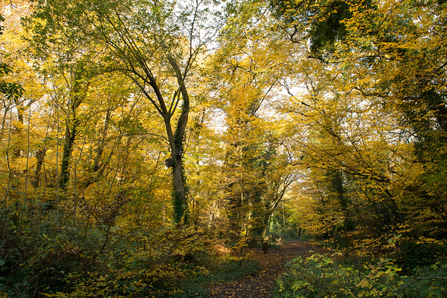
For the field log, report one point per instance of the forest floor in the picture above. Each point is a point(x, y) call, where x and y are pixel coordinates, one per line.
point(261, 285)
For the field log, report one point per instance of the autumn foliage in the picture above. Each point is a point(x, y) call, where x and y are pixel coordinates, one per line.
point(324, 120)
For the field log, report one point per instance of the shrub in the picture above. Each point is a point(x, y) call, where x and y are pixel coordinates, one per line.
point(412, 255)
point(322, 276)
point(316, 276)
point(170, 263)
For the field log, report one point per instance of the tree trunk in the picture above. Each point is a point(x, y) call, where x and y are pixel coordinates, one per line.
point(70, 135)
point(180, 194)
point(337, 186)
point(176, 143)
point(234, 212)
point(40, 155)
point(78, 94)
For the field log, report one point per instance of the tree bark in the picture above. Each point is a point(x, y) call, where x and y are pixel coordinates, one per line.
point(77, 96)
point(70, 135)
point(40, 155)
point(176, 143)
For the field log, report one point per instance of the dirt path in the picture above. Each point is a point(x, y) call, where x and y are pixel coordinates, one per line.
point(272, 264)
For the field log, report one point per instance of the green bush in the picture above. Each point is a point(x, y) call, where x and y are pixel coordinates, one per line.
point(412, 255)
point(322, 276)
point(429, 281)
point(31, 262)
point(316, 276)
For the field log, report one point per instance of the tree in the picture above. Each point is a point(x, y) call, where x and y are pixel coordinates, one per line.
point(10, 90)
point(319, 24)
point(255, 172)
point(155, 44)
point(365, 114)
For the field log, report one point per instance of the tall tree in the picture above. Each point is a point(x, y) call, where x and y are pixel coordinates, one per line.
point(155, 44)
point(8, 89)
point(254, 167)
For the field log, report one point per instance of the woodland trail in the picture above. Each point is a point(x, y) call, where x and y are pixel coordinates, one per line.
point(273, 263)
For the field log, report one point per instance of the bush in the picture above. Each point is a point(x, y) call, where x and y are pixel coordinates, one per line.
point(316, 276)
point(412, 255)
point(170, 263)
point(429, 281)
point(87, 261)
point(322, 276)
point(32, 262)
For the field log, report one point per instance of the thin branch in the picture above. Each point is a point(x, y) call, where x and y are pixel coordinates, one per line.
point(174, 102)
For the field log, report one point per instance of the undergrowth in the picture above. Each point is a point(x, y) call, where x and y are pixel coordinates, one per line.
point(85, 262)
point(326, 275)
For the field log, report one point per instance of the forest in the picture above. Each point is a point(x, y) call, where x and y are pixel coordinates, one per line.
point(138, 137)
